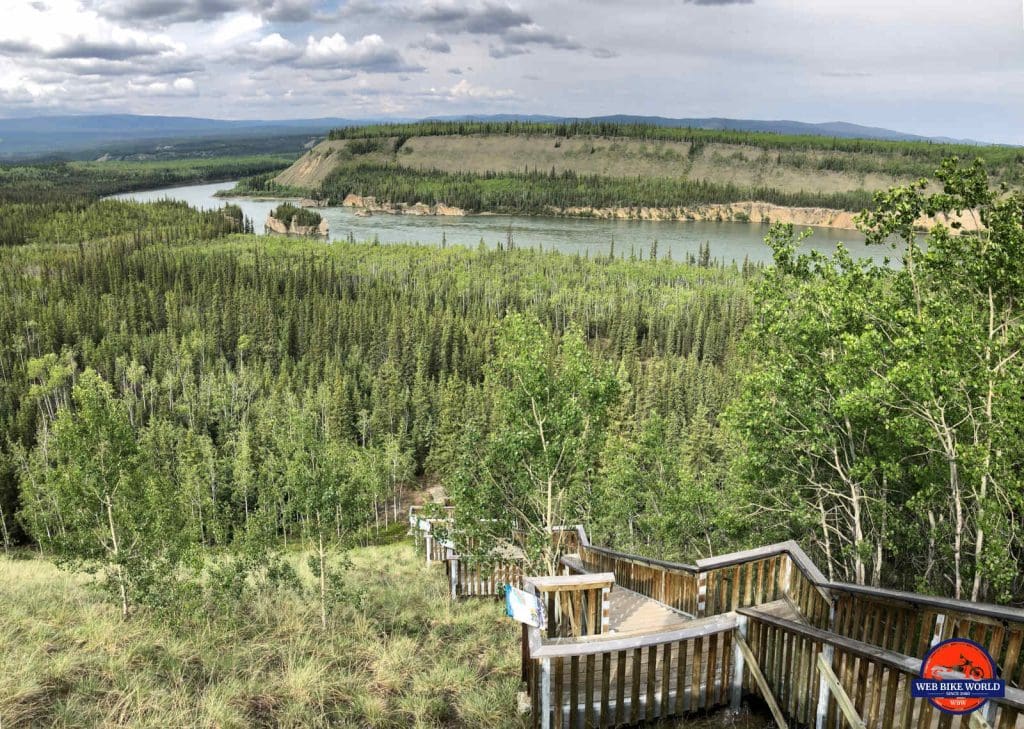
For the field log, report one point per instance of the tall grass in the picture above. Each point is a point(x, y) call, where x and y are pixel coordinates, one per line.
point(399, 653)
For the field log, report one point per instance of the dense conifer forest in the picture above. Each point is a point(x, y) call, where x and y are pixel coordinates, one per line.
point(538, 192)
point(182, 399)
point(31, 194)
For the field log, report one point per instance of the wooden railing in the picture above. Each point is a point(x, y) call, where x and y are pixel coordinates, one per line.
point(823, 654)
point(721, 584)
point(606, 682)
point(848, 660)
point(478, 578)
point(908, 623)
point(576, 605)
point(875, 683)
point(669, 583)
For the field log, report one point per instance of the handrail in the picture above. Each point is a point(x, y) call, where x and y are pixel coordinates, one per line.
point(674, 566)
point(1014, 697)
point(595, 644)
point(914, 599)
point(558, 583)
point(789, 547)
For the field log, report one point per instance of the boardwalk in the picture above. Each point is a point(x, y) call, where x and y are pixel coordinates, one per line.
point(633, 613)
point(631, 639)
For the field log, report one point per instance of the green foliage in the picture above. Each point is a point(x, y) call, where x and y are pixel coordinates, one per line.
point(550, 410)
point(277, 382)
point(264, 185)
point(882, 420)
point(288, 214)
point(364, 146)
point(266, 395)
point(93, 496)
point(534, 193)
point(31, 195)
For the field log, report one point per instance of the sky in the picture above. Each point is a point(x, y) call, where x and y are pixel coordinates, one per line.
point(941, 67)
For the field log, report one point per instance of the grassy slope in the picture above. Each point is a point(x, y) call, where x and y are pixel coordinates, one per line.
point(406, 657)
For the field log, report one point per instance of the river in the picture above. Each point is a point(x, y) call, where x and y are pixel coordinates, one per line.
point(728, 241)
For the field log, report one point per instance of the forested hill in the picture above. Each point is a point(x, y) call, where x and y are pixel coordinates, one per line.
point(212, 397)
point(616, 169)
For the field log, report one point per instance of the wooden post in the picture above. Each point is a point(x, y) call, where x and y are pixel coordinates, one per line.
point(525, 654)
point(762, 683)
point(702, 593)
point(842, 699)
point(606, 609)
point(429, 541)
point(940, 624)
point(453, 575)
point(786, 575)
point(826, 657)
point(736, 698)
point(545, 695)
point(977, 722)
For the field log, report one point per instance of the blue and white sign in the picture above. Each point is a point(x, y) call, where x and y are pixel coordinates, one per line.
point(524, 607)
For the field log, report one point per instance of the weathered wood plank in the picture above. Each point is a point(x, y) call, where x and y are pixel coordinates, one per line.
point(620, 687)
point(559, 669)
point(605, 643)
point(766, 694)
point(606, 676)
point(634, 708)
point(840, 695)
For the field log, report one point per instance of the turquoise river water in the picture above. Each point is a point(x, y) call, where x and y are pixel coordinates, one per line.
point(728, 241)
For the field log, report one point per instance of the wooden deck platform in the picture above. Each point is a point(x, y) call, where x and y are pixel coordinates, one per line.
point(632, 613)
point(767, 623)
point(783, 608)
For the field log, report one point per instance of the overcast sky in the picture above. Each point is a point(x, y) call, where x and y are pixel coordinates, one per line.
point(937, 67)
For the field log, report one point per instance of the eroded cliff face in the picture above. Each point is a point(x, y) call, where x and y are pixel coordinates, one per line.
point(274, 225)
point(370, 204)
point(752, 212)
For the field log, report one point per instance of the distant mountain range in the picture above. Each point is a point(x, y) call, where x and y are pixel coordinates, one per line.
point(76, 136)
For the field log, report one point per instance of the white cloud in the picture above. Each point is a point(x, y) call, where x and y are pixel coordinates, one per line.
point(178, 87)
point(370, 53)
point(268, 50)
point(465, 90)
point(236, 26)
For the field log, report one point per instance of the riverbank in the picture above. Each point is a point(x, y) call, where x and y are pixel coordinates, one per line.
point(740, 212)
point(729, 241)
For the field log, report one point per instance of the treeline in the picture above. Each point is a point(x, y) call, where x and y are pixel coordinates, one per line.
point(265, 185)
point(929, 155)
point(536, 192)
point(268, 376)
point(31, 194)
